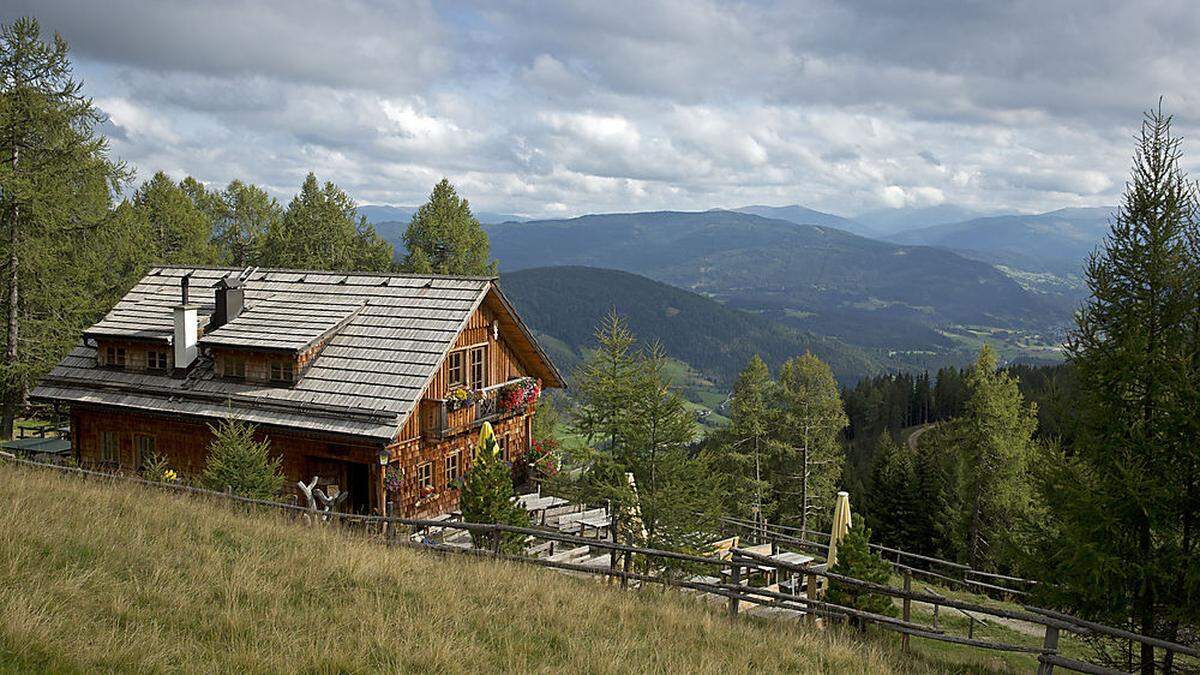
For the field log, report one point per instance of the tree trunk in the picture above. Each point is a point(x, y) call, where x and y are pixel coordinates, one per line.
point(14, 393)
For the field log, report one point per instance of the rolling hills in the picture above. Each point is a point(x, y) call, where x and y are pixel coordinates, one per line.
point(564, 305)
point(1054, 243)
point(821, 279)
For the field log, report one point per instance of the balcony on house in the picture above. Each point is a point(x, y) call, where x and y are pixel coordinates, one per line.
point(463, 410)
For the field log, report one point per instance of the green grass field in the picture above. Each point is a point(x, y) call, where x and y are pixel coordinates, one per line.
point(99, 576)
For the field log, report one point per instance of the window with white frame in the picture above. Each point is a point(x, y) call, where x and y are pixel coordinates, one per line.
point(109, 452)
point(425, 476)
point(452, 467)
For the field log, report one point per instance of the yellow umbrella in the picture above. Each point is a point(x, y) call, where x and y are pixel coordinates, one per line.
point(841, 525)
point(487, 441)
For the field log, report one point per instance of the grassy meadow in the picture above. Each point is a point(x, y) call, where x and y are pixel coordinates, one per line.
point(102, 576)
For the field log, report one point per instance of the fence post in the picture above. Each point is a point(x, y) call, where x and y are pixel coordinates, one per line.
point(495, 542)
point(935, 615)
point(907, 607)
point(389, 509)
point(736, 577)
point(625, 565)
point(1049, 647)
point(810, 590)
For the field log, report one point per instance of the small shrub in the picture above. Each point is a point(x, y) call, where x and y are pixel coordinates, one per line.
point(155, 468)
point(855, 559)
point(238, 461)
point(487, 495)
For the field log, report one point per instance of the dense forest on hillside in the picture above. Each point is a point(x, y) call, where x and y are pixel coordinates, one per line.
point(566, 303)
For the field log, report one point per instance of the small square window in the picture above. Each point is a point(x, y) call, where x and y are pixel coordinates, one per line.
point(115, 357)
point(425, 476)
point(456, 373)
point(156, 360)
point(108, 447)
point(235, 367)
point(281, 372)
point(452, 470)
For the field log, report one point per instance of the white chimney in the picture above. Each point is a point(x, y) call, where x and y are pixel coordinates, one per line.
point(185, 336)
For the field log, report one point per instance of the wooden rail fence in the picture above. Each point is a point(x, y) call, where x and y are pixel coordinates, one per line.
point(396, 531)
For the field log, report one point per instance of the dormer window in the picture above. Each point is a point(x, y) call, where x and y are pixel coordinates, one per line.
point(156, 360)
point(115, 357)
point(234, 367)
point(281, 372)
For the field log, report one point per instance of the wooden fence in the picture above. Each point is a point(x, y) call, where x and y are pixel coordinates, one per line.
point(395, 531)
point(945, 571)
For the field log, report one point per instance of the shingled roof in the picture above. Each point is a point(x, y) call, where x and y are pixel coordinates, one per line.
point(387, 336)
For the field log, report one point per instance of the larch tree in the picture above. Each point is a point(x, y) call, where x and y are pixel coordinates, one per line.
point(321, 229)
point(445, 238)
point(243, 213)
point(805, 471)
point(1125, 498)
point(176, 228)
point(56, 188)
point(998, 426)
point(738, 452)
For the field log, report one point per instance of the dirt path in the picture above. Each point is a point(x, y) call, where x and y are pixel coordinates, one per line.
point(912, 438)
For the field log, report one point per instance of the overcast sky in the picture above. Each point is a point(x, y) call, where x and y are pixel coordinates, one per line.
point(546, 108)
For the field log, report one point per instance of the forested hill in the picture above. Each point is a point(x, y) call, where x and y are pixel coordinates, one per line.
point(826, 280)
point(564, 304)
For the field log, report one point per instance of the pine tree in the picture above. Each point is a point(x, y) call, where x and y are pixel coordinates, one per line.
point(1126, 500)
point(56, 187)
point(237, 460)
point(999, 427)
point(856, 560)
point(444, 238)
point(487, 495)
point(804, 473)
point(321, 230)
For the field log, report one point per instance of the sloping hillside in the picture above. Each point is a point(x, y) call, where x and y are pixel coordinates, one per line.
point(566, 304)
point(106, 577)
point(802, 215)
point(1056, 242)
point(826, 280)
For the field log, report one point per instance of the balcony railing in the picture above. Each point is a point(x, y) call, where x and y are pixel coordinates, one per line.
point(444, 417)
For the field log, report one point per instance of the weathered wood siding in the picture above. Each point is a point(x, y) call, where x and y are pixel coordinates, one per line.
point(338, 460)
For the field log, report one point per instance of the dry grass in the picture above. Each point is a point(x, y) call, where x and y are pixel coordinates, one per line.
point(97, 576)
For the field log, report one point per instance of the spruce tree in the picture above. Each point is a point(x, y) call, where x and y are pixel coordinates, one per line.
point(999, 428)
point(1125, 499)
point(444, 238)
point(239, 461)
point(893, 499)
point(487, 495)
point(856, 560)
point(56, 188)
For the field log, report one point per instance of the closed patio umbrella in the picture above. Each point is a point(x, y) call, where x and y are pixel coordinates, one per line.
point(841, 525)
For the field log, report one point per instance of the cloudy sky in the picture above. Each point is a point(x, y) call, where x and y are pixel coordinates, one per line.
point(542, 108)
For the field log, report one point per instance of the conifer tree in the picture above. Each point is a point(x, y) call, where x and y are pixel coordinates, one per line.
point(487, 495)
point(1125, 501)
point(738, 452)
point(893, 500)
point(856, 560)
point(810, 461)
point(999, 428)
point(56, 188)
point(444, 238)
point(239, 461)
point(176, 229)
point(321, 230)
point(243, 214)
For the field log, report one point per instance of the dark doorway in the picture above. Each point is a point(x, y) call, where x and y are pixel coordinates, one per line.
point(358, 482)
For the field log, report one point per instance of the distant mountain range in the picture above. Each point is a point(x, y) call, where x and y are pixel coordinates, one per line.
point(891, 221)
point(403, 214)
point(1057, 242)
point(821, 279)
point(805, 216)
point(563, 305)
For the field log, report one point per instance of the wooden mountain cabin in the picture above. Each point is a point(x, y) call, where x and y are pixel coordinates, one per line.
point(365, 380)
